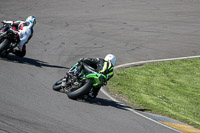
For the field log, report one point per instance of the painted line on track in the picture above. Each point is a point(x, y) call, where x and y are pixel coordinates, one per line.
point(132, 110)
point(165, 124)
point(182, 127)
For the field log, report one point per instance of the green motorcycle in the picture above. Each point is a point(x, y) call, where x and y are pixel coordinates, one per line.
point(79, 86)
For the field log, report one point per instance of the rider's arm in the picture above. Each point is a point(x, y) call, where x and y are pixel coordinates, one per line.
point(107, 76)
point(30, 36)
point(110, 75)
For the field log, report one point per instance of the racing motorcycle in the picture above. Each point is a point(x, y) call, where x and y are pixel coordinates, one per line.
point(78, 87)
point(9, 39)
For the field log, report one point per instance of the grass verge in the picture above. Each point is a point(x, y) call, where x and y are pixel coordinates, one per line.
point(166, 88)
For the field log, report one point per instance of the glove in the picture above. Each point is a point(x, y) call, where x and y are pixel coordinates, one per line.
point(102, 79)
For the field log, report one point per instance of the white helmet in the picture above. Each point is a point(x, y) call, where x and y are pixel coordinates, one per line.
point(110, 58)
point(31, 19)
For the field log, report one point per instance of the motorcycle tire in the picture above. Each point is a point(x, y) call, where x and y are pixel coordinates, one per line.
point(4, 45)
point(78, 93)
point(57, 85)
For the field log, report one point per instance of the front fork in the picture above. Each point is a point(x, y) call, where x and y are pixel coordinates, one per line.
point(63, 84)
point(11, 47)
point(14, 43)
point(13, 38)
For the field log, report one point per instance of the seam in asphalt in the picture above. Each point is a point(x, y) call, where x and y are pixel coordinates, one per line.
point(138, 64)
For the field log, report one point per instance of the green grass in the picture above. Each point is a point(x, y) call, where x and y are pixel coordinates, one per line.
point(167, 88)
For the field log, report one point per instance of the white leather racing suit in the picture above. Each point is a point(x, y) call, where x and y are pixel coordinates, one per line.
point(24, 29)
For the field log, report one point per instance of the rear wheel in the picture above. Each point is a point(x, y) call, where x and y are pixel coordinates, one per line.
point(4, 45)
point(75, 93)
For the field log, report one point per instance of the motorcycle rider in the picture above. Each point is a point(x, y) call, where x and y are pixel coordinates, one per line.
point(24, 29)
point(104, 66)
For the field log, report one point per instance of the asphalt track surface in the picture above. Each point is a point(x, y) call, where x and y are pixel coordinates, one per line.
point(68, 30)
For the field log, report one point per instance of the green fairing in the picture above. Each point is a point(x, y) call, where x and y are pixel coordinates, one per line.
point(95, 78)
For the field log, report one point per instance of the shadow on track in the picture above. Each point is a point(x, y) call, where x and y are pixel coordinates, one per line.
point(101, 102)
point(28, 61)
point(106, 102)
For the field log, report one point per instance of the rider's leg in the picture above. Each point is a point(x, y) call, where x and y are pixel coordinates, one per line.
point(94, 92)
point(20, 53)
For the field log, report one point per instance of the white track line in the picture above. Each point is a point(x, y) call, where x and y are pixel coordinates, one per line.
point(151, 61)
point(132, 110)
point(139, 63)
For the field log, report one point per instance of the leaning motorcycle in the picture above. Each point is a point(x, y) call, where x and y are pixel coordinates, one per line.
point(9, 39)
point(79, 86)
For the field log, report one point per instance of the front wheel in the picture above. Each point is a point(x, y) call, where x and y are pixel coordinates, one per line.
point(4, 45)
point(79, 92)
point(57, 86)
